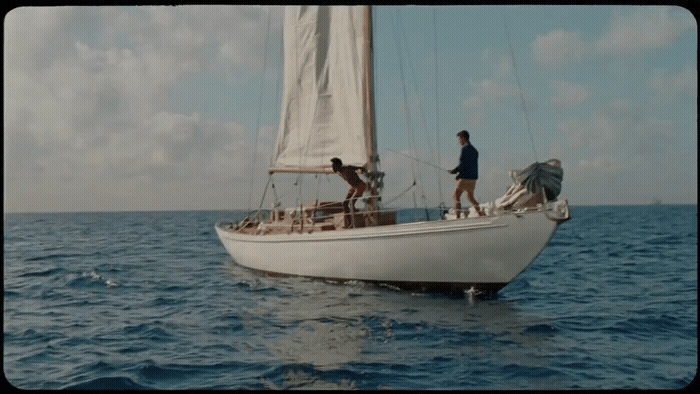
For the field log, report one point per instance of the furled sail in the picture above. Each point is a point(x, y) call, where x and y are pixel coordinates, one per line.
point(326, 107)
point(538, 176)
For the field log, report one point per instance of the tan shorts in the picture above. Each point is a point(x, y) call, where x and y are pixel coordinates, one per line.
point(465, 185)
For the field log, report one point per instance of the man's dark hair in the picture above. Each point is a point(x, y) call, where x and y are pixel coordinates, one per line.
point(464, 133)
point(337, 161)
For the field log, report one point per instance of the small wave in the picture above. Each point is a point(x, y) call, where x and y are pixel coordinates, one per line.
point(164, 301)
point(390, 287)
point(645, 326)
point(49, 272)
point(145, 331)
point(302, 376)
point(232, 328)
point(559, 242)
point(470, 336)
point(111, 283)
point(243, 284)
point(529, 372)
point(176, 288)
point(94, 277)
point(90, 279)
point(28, 332)
point(664, 240)
point(540, 329)
point(109, 383)
point(155, 372)
point(10, 293)
point(56, 256)
point(100, 366)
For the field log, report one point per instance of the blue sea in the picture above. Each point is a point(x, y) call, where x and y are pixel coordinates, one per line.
point(151, 300)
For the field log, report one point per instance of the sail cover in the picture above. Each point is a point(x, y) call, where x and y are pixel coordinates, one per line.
point(325, 111)
point(538, 176)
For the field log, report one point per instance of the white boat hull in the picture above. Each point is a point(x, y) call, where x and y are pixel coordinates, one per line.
point(486, 252)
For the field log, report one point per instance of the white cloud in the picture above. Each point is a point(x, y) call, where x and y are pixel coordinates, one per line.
point(489, 91)
point(617, 130)
point(558, 48)
point(670, 86)
point(567, 94)
point(605, 130)
point(600, 164)
point(95, 113)
point(88, 116)
point(642, 29)
point(503, 68)
point(646, 27)
point(475, 109)
point(39, 35)
point(494, 90)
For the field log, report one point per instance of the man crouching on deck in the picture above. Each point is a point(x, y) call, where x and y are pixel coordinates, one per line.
point(357, 186)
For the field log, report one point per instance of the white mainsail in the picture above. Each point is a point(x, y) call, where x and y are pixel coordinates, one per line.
point(326, 107)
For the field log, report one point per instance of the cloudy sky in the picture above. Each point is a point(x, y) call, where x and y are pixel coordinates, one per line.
point(169, 108)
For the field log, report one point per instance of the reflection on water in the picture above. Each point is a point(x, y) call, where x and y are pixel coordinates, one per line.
point(301, 379)
point(331, 326)
point(325, 345)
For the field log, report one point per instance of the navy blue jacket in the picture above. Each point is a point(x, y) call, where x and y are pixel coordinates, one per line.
point(468, 167)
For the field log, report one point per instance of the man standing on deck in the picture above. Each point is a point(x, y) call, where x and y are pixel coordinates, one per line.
point(357, 186)
point(467, 173)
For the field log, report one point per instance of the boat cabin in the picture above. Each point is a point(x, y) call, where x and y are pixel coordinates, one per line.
point(312, 217)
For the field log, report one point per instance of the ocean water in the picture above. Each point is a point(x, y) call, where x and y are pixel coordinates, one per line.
point(151, 300)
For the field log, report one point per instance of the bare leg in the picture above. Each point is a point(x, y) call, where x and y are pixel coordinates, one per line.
point(353, 195)
point(475, 204)
point(346, 208)
point(457, 204)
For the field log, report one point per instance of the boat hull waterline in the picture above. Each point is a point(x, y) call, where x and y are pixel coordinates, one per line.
point(485, 253)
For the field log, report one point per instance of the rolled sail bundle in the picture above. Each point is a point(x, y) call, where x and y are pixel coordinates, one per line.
point(547, 175)
point(529, 184)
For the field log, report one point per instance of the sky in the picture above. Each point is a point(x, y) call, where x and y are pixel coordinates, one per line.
point(110, 108)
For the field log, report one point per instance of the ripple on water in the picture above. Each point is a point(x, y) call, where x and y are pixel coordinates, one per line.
point(108, 383)
point(611, 303)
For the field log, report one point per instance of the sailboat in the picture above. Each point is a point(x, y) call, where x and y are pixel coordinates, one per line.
point(328, 111)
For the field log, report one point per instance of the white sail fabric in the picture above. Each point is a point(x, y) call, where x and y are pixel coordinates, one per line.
point(325, 110)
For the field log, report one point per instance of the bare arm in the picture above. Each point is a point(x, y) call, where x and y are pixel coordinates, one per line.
point(355, 168)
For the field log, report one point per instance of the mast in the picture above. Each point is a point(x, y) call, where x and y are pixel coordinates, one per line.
point(376, 178)
point(371, 139)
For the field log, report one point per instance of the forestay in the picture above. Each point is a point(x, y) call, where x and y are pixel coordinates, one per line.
point(326, 106)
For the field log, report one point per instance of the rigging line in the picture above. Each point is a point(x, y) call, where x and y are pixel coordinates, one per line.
point(257, 215)
point(417, 159)
point(278, 91)
point(257, 125)
point(396, 21)
point(276, 201)
point(520, 87)
point(415, 202)
point(401, 194)
point(437, 106)
point(403, 86)
point(405, 94)
point(295, 135)
point(269, 180)
point(421, 109)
